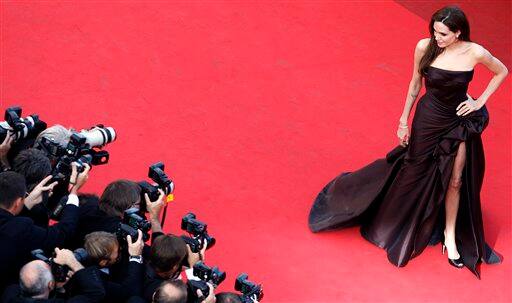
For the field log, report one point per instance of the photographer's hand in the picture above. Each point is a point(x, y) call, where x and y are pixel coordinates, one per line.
point(154, 208)
point(77, 180)
point(4, 149)
point(66, 257)
point(193, 258)
point(135, 248)
point(211, 296)
point(36, 195)
point(60, 285)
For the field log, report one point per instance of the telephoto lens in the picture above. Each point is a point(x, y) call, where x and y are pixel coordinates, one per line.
point(99, 135)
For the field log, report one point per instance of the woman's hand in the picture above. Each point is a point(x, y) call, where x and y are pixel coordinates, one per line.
point(468, 106)
point(403, 134)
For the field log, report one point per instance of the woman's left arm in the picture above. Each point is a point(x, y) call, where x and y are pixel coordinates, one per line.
point(500, 73)
point(493, 64)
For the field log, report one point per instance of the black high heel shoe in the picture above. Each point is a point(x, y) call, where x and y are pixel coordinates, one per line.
point(453, 262)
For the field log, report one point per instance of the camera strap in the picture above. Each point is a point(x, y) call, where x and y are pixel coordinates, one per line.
point(164, 213)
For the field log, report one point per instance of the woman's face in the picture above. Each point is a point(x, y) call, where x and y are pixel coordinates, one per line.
point(443, 35)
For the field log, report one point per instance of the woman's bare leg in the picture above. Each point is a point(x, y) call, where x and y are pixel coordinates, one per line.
point(452, 201)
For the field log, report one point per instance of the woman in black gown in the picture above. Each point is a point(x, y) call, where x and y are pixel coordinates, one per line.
point(432, 181)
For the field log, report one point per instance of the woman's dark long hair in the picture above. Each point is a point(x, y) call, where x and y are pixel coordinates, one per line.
point(455, 19)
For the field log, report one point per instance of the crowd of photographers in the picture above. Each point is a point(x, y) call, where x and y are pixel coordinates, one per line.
point(61, 245)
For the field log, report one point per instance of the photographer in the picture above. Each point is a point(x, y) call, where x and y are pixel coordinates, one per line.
point(107, 213)
point(103, 251)
point(176, 291)
point(34, 165)
point(5, 147)
point(56, 133)
point(173, 291)
point(168, 255)
point(228, 297)
point(37, 281)
point(18, 235)
point(167, 252)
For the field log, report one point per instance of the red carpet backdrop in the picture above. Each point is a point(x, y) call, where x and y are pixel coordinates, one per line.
point(254, 106)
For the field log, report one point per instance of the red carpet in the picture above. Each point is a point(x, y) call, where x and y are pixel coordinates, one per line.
point(253, 108)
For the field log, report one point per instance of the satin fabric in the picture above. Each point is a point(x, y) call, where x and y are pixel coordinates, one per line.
point(399, 200)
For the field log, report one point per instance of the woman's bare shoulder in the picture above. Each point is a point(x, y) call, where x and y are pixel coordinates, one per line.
point(423, 44)
point(477, 50)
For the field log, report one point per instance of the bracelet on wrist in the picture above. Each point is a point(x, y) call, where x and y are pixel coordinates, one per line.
point(403, 126)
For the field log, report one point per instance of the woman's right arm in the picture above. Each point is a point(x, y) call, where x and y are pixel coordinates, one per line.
point(412, 93)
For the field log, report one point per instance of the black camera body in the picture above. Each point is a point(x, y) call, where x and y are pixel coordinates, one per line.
point(248, 288)
point(123, 230)
point(75, 145)
point(206, 275)
point(198, 232)
point(77, 151)
point(52, 149)
point(61, 174)
point(193, 286)
point(63, 169)
point(151, 190)
point(132, 221)
point(22, 128)
point(132, 218)
point(83, 148)
point(157, 174)
point(60, 272)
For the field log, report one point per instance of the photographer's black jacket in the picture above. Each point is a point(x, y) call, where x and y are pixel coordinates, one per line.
point(38, 214)
point(87, 288)
point(151, 279)
point(19, 236)
point(151, 282)
point(92, 219)
point(131, 285)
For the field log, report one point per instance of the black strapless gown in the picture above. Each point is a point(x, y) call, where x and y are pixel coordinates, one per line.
point(399, 200)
